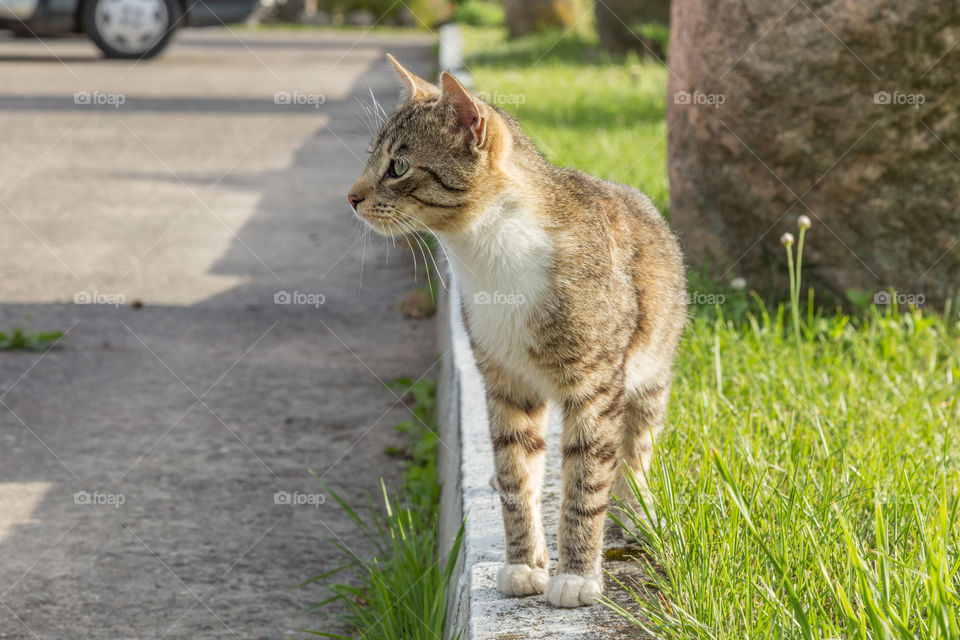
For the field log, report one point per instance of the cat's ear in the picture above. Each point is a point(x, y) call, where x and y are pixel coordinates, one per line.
point(414, 87)
point(467, 109)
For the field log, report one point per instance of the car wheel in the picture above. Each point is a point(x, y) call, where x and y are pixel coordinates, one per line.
point(130, 28)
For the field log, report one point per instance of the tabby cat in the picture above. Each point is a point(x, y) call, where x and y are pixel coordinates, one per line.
point(573, 292)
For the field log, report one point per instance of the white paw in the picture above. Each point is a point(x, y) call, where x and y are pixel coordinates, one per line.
point(521, 580)
point(568, 590)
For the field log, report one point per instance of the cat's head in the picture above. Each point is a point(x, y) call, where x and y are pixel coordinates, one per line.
point(435, 163)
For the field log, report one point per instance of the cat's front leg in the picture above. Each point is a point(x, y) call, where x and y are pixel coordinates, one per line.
point(590, 447)
point(518, 427)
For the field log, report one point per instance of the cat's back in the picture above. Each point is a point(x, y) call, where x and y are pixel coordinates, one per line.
point(603, 215)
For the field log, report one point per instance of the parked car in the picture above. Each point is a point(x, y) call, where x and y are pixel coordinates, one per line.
point(120, 28)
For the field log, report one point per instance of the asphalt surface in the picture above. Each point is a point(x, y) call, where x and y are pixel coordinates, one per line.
point(157, 212)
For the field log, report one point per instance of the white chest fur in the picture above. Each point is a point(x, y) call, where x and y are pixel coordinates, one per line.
point(502, 263)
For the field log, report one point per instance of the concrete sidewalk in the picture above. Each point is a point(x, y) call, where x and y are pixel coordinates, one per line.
point(141, 459)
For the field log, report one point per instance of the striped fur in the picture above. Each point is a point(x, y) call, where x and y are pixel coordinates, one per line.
point(573, 294)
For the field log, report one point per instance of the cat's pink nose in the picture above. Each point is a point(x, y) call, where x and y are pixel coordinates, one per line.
point(354, 200)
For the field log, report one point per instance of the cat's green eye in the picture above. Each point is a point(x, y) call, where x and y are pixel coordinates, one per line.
point(398, 168)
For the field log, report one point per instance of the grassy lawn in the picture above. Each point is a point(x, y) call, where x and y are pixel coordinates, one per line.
point(807, 485)
point(605, 117)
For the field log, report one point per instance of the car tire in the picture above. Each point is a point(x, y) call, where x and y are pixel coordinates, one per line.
point(130, 29)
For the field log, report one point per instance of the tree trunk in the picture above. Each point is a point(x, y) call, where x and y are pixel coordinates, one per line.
point(845, 111)
point(527, 16)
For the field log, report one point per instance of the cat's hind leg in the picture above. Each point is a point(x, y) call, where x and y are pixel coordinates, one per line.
point(643, 419)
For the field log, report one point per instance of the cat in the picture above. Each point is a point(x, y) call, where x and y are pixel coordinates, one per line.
point(573, 292)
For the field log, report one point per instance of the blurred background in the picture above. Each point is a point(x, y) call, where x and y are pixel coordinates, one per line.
point(191, 318)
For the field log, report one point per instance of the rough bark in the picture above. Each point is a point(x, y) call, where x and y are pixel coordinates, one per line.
point(845, 111)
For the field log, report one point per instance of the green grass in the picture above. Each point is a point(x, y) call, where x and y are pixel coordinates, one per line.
point(808, 487)
point(399, 591)
point(605, 116)
point(22, 339)
point(421, 488)
point(479, 13)
point(808, 483)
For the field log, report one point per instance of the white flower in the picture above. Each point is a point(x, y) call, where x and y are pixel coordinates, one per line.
point(738, 283)
point(786, 239)
point(803, 222)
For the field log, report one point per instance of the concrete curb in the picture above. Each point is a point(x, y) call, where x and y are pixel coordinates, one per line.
point(476, 610)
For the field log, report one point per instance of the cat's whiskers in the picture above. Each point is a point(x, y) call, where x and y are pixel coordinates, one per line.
point(366, 116)
point(375, 116)
point(368, 232)
point(379, 112)
point(425, 228)
point(394, 222)
point(424, 250)
point(410, 219)
point(408, 230)
point(363, 254)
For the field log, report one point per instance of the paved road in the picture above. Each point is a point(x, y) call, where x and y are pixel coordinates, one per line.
point(181, 184)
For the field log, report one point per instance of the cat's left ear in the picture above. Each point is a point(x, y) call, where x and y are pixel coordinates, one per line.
point(469, 111)
point(414, 87)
